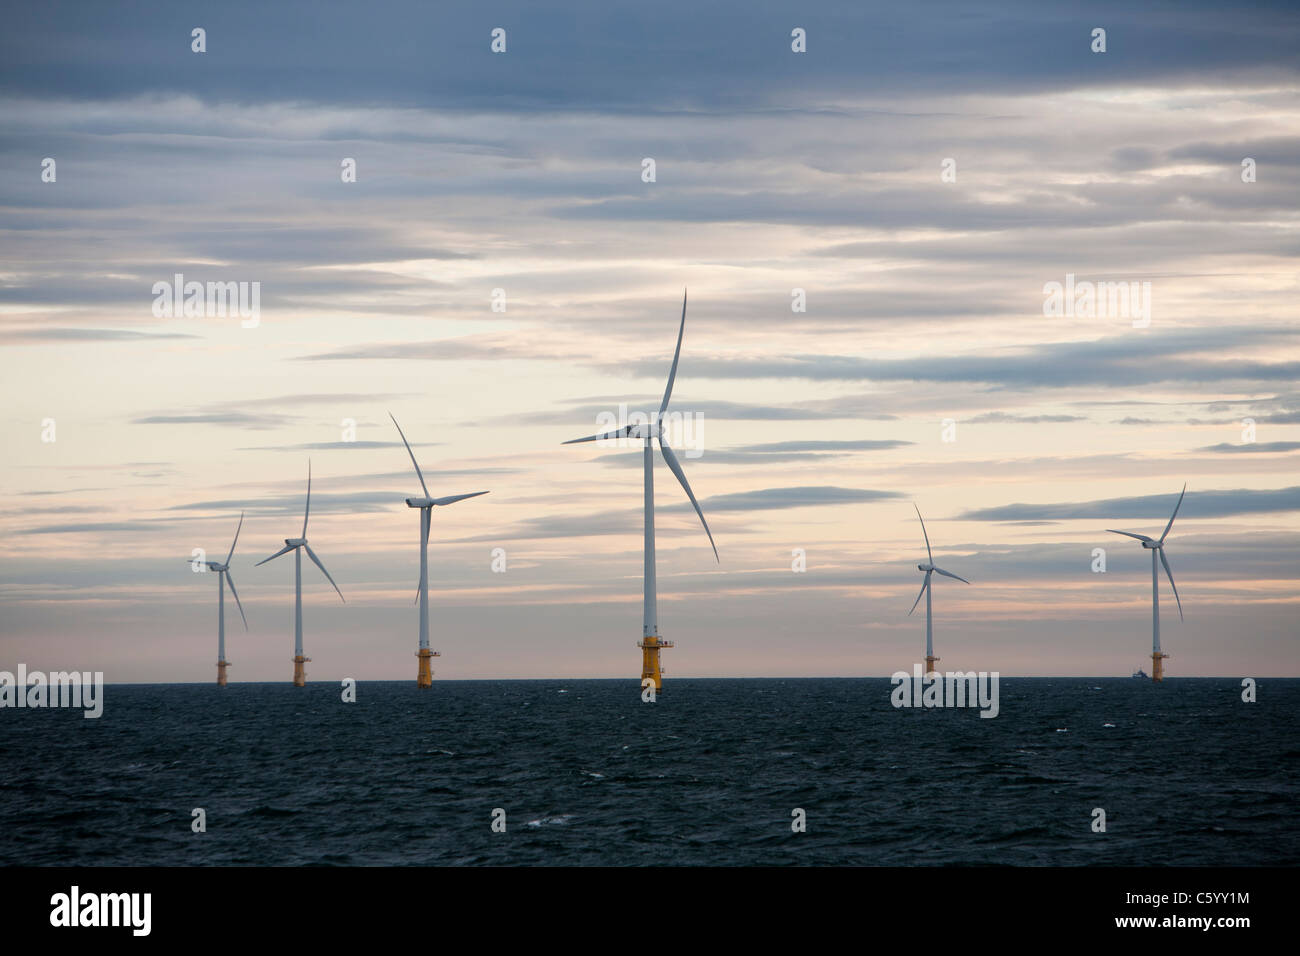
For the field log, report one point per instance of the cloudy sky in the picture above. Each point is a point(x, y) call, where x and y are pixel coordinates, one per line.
point(816, 430)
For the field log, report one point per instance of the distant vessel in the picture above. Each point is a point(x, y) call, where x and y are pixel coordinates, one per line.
point(1141, 673)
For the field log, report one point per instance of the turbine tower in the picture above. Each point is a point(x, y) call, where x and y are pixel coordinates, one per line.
point(426, 505)
point(1157, 548)
point(650, 642)
point(223, 577)
point(298, 546)
point(929, 570)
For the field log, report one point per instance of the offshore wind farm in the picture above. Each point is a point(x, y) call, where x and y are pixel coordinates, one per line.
point(644, 433)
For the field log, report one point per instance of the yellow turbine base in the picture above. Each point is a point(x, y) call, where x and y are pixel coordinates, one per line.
point(299, 673)
point(1157, 666)
point(650, 666)
point(929, 664)
point(221, 672)
point(425, 677)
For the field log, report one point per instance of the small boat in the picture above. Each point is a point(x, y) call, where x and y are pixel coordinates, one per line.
point(1140, 673)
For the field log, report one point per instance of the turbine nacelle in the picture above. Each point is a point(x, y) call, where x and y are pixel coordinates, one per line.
point(1157, 545)
point(644, 430)
point(925, 567)
point(419, 502)
point(294, 542)
point(215, 566)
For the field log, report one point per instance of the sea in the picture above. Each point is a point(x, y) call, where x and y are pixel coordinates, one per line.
point(714, 772)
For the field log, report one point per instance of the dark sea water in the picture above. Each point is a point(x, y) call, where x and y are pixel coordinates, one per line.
point(707, 775)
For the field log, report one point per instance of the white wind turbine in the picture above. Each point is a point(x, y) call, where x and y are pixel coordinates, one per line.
point(929, 569)
point(223, 577)
point(1158, 548)
point(426, 505)
point(650, 432)
point(297, 546)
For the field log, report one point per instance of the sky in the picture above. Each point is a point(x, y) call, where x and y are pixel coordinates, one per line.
point(922, 172)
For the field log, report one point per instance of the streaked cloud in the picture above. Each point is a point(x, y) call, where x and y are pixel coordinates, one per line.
point(1198, 504)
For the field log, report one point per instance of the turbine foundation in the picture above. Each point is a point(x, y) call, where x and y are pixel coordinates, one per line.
point(929, 663)
point(1157, 666)
point(221, 672)
point(299, 672)
point(650, 667)
point(425, 676)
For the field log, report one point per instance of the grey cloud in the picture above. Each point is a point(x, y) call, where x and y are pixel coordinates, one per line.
point(1198, 504)
point(58, 334)
point(292, 504)
point(989, 418)
point(257, 422)
point(770, 499)
point(338, 445)
point(92, 527)
point(468, 348)
point(733, 56)
point(1118, 360)
point(1274, 151)
point(1267, 447)
point(796, 451)
point(625, 521)
point(331, 398)
point(863, 444)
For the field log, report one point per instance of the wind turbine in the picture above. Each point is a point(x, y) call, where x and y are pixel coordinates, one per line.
point(297, 546)
point(929, 569)
point(1157, 548)
point(223, 576)
point(426, 505)
point(650, 643)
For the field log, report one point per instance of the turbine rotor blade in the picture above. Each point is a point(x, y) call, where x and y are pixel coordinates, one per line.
point(285, 550)
point(1165, 562)
point(232, 544)
point(307, 511)
point(452, 499)
point(1174, 515)
point(231, 582)
point(672, 373)
point(418, 474)
point(924, 584)
point(676, 467)
point(312, 554)
point(1140, 537)
point(949, 574)
point(626, 429)
point(927, 537)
